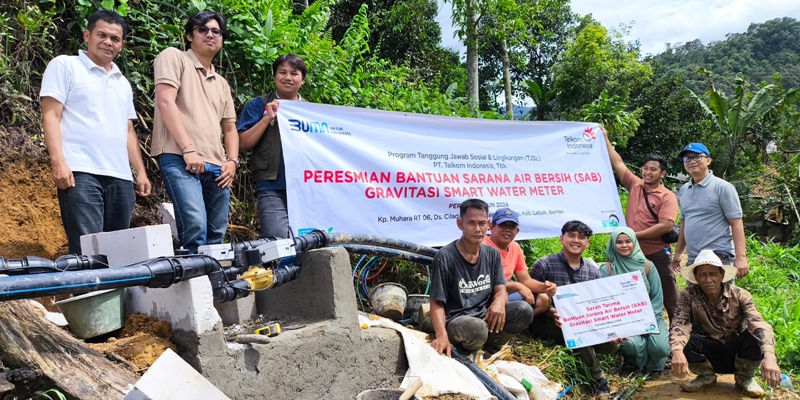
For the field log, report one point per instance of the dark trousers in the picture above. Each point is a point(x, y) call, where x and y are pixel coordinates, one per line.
point(545, 328)
point(273, 214)
point(722, 356)
point(662, 262)
point(95, 204)
point(471, 333)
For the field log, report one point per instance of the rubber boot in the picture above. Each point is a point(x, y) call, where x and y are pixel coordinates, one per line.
point(744, 377)
point(705, 377)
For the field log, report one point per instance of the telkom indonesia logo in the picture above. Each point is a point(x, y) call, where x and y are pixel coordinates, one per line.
point(588, 134)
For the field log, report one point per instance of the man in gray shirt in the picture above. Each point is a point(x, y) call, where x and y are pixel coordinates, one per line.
point(711, 214)
point(469, 303)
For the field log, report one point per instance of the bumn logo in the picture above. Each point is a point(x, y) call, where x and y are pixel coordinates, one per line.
point(300, 125)
point(611, 222)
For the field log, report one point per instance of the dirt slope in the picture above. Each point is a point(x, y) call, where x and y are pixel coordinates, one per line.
point(30, 222)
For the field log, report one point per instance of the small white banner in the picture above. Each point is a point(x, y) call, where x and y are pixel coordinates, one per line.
point(404, 175)
point(601, 310)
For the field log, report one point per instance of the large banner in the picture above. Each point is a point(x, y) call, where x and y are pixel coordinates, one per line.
point(403, 175)
point(601, 310)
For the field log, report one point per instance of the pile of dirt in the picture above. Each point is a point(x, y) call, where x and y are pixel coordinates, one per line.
point(31, 221)
point(140, 343)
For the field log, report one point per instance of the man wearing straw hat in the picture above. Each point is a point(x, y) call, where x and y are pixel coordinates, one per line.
point(717, 329)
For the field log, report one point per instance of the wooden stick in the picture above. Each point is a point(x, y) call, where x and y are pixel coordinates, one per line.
point(412, 388)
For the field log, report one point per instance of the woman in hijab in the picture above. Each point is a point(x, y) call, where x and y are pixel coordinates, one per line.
point(648, 351)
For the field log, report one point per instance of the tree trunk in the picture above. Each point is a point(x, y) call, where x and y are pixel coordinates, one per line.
point(29, 340)
point(507, 81)
point(472, 56)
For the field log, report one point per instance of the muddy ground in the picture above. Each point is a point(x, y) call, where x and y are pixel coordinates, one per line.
point(665, 387)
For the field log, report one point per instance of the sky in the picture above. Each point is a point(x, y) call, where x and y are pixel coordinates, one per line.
point(656, 23)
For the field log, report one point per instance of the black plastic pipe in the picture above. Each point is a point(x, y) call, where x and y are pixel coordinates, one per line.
point(380, 241)
point(494, 388)
point(382, 251)
point(39, 265)
point(155, 273)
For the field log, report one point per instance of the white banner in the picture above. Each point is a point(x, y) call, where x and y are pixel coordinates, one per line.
point(600, 310)
point(403, 175)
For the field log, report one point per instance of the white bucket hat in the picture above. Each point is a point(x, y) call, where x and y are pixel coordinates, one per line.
point(707, 257)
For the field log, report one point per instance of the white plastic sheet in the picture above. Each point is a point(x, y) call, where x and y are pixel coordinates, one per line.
point(442, 375)
point(439, 375)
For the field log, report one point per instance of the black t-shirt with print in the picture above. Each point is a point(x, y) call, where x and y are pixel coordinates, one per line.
point(465, 288)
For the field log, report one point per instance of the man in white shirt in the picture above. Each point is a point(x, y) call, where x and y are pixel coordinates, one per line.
point(87, 108)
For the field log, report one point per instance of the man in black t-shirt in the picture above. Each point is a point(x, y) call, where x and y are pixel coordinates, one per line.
point(469, 303)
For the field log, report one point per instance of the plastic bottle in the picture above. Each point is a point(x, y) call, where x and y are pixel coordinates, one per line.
point(786, 382)
point(669, 253)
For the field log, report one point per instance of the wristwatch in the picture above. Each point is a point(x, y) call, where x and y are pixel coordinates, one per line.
point(236, 161)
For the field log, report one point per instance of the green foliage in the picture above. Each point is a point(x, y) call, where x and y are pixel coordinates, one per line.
point(27, 32)
point(670, 119)
point(341, 73)
point(542, 98)
point(597, 62)
point(505, 30)
point(774, 282)
point(734, 118)
point(760, 52)
point(404, 33)
point(611, 113)
point(535, 249)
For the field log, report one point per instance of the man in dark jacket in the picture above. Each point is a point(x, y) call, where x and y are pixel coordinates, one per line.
point(258, 130)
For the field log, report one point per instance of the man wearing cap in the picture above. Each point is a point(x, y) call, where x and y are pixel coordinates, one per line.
point(504, 228)
point(711, 214)
point(650, 219)
point(469, 304)
point(717, 329)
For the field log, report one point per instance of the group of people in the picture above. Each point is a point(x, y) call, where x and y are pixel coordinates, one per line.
point(194, 108)
point(714, 326)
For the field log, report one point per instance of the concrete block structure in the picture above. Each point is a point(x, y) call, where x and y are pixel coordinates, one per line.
point(331, 357)
point(188, 306)
point(328, 357)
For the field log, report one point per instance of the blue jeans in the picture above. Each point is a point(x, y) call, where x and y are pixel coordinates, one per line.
point(201, 207)
point(97, 203)
point(273, 215)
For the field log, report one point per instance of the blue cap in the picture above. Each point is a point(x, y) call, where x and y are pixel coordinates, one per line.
point(698, 148)
point(505, 214)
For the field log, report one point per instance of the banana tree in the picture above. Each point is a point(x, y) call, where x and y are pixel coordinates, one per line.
point(735, 117)
point(541, 96)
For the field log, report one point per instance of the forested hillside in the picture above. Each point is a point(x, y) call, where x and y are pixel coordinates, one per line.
point(766, 48)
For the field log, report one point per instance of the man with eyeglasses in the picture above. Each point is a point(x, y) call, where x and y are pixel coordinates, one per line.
point(650, 219)
point(711, 214)
point(504, 228)
point(194, 107)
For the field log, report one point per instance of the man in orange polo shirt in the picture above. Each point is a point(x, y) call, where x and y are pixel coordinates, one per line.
point(504, 228)
point(648, 229)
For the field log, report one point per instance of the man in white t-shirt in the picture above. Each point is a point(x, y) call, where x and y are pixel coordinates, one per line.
point(87, 108)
